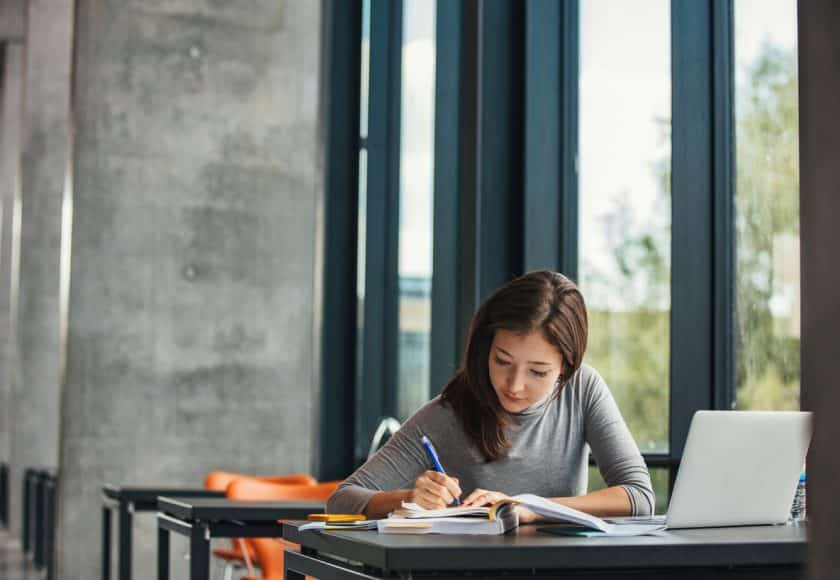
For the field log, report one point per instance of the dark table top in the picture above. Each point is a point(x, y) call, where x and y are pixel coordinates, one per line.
point(145, 497)
point(220, 509)
point(526, 548)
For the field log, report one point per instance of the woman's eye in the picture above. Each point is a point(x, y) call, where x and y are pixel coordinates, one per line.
point(504, 363)
point(541, 374)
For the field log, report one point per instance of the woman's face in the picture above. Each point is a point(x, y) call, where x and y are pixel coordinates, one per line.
point(523, 368)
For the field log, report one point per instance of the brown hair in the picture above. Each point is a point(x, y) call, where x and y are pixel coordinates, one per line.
point(545, 301)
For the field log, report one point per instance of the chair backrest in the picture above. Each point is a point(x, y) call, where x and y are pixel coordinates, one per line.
point(258, 489)
point(270, 551)
point(386, 428)
point(220, 480)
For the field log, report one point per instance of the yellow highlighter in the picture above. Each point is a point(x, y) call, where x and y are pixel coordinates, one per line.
point(334, 518)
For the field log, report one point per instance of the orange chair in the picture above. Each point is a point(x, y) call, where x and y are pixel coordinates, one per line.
point(270, 550)
point(219, 481)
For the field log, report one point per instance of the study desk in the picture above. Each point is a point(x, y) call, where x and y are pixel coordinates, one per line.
point(757, 552)
point(128, 500)
point(201, 519)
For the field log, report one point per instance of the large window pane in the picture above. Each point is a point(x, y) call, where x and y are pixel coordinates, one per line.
point(364, 91)
point(659, 477)
point(416, 166)
point(766, 205)
point(625, 205)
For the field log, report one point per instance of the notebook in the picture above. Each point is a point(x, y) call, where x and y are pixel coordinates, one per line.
point(495, 519)
point(339, 526)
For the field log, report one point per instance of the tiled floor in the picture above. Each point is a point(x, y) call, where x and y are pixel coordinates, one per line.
point(13, 565)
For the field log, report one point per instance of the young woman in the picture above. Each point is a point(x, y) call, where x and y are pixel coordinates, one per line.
point(520, 416)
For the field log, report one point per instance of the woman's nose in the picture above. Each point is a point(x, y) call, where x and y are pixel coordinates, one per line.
point(516, 382)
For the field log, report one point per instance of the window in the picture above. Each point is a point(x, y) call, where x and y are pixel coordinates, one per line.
point(766, 205)
point(658, 478)
point(659, 167)
point(364, 98)
point(394, 220)
point(625, 211)
point(415, 235)
point(625, 240)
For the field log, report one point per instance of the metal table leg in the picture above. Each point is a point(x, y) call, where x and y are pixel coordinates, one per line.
point(125, 532)
point(199, 552)
point(106, 542)
point(50, 491)
point(38, 552)
point(163, 553)
point(27, 505)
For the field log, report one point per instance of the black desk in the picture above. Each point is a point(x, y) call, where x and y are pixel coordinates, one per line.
point(201, 519)
point(127, 500)
point(760, 553)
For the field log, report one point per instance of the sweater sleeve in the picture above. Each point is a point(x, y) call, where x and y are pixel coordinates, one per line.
point(615, 451)
point(396, 465)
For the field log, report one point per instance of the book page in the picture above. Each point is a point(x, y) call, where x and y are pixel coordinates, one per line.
point(555, 511)
point(412, 510)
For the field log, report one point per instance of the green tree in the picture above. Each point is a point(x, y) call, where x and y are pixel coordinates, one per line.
point(767, 218)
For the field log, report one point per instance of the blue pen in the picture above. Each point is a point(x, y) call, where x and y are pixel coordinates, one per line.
point(430, 451)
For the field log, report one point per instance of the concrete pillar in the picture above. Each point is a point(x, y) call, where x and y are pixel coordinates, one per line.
point(11, 92)
point(196, 188)
point(819, 197)
point(44, 142)
point(12, 20)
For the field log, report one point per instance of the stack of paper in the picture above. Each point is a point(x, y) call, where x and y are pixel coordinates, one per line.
point(471, 521)
point(501, 517)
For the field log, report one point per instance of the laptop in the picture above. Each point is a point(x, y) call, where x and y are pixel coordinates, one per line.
point(739, 468)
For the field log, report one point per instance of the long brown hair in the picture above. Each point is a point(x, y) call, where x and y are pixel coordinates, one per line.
point(544, 301)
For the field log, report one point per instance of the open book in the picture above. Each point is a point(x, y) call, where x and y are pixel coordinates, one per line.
point(496, 519)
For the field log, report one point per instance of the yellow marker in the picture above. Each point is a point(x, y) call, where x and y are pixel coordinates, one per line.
point(336, 517)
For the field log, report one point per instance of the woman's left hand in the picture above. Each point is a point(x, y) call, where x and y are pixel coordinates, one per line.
point(480, 497)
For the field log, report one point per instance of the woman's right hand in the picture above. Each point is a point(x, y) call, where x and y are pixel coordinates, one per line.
point(433, 490)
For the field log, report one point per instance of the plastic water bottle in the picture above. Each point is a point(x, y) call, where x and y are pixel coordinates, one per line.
point(797, 510)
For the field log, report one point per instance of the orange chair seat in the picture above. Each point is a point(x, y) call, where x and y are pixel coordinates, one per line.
point(220, 480)
point(270, 550)
point(234, 555)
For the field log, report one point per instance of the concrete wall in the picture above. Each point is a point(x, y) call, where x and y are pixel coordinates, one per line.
point(45, 141)
point(11, 92)
point(195, 190)
point(12, 20)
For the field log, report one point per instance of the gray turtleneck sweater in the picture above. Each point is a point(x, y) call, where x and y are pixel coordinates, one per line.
point(548, 455)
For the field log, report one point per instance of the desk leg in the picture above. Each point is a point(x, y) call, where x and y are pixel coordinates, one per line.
point(27, 492)
point(125, 542)
point(38, 552)
point(199, 552)
point(106, 542)
point(163, 553)
point(49, 534)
